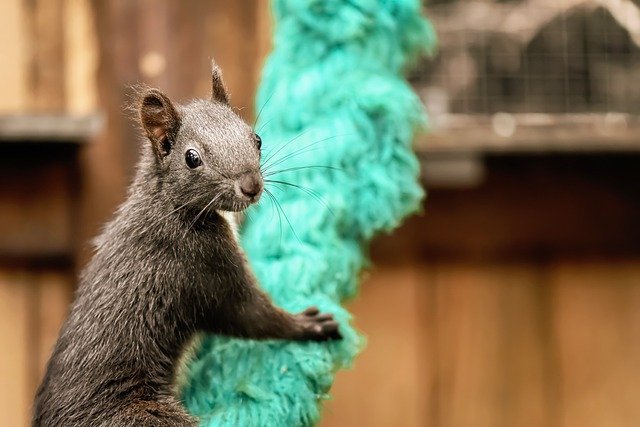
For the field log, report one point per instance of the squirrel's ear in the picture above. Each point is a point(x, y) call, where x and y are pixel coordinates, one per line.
point(218, 89)
point(160, 121)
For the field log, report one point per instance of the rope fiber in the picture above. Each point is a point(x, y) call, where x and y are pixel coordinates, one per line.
point(337, 121)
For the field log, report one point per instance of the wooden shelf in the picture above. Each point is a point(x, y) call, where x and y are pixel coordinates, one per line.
point(505, 133)
point(49, 128)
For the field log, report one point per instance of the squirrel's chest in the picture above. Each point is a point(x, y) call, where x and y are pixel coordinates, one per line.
point(232, 221)
point(211, 250)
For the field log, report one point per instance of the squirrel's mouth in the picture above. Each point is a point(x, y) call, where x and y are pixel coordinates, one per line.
point(251, 199)
point(238, 203)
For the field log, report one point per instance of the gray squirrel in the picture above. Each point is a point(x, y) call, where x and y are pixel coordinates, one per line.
point(165, 268)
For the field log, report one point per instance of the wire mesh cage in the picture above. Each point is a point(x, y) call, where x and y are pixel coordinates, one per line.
point(540, 56)
point(507, 65)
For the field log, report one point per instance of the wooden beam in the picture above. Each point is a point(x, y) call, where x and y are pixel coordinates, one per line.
point(49, 128)
point(505, 133)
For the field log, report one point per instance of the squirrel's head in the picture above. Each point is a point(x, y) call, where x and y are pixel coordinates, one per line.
point(206, 156)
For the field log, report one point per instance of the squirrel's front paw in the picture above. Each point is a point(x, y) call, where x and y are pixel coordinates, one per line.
point(317, 326)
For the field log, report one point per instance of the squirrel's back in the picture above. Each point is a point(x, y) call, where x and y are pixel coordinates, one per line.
point(130, 320)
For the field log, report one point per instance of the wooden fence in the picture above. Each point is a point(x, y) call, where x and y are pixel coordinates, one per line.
point(511, 303)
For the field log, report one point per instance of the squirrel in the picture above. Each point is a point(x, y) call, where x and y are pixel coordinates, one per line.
point(167, 267)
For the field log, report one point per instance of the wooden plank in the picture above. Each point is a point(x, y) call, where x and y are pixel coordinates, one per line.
point(54, 295)
point(387, 385)
point(231, 34)
point(187, 58)
point(106, 165)
point(12, 51)
point(81, 57)
point(15, 336)
point(597, 321)
point(46, 55)
point(490, 343)
point(154, 36)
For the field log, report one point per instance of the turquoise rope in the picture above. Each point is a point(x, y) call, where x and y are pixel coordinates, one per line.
point(333, 96)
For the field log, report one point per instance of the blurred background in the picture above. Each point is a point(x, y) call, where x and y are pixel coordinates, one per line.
point(513, 300)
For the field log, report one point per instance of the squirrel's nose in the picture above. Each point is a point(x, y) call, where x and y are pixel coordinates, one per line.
point(250, 184)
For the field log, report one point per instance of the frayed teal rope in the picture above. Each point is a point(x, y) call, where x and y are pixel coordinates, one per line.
point(334, 89)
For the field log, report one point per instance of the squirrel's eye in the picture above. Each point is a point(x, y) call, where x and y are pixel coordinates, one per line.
point(258, 141)
point(192, 158)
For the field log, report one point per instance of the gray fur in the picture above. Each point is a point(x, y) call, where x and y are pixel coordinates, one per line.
point(165, 267)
